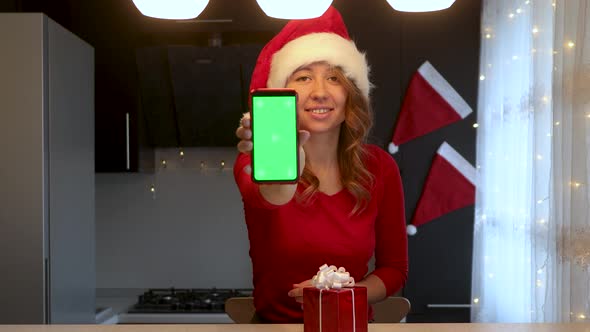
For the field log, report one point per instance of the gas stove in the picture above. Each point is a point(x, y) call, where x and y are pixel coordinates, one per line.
point(175, 305)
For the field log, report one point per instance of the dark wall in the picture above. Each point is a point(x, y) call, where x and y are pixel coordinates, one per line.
point(396, 44)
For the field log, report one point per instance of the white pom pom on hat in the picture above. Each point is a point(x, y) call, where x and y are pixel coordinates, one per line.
point(411, 229)
point(392, 148)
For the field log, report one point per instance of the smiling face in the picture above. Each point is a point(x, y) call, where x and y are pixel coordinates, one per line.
point(321, 98)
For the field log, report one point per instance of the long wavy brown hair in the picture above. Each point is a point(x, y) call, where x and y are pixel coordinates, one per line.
point(354, 175)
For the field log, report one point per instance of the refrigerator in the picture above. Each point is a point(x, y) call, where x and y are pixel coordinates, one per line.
point(47, 245)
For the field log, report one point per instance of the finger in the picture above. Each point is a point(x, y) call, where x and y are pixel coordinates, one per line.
point(245, 146)
point(295, 292)
point(243, 133)
point(299, 299)
point(245, 121)
point(247, 169)
point(303, 136)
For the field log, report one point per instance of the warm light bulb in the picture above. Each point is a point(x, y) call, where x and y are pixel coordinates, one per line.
point(571, 44)
point(475, 125)
point(476, 300)
point(294, 9)
point(482, 77)
point(420, 5)
point(171, 9)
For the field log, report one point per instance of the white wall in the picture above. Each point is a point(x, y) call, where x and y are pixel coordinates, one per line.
point(190, 233)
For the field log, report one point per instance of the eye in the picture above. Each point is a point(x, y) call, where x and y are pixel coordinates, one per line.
point(334, 79)
point(302, 78)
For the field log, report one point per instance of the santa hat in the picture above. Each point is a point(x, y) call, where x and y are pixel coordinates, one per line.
point(450, 185)
point(429, 104)
point(302, 42)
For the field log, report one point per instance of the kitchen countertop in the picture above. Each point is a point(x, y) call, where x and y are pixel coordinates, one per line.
point(572, 327)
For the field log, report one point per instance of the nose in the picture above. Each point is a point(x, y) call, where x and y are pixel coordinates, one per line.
point(319, 90)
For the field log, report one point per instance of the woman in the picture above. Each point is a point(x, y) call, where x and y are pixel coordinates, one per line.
point(348, 204)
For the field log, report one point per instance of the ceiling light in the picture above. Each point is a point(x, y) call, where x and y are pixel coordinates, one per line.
point(420, 5)
point(294, 9)
point(171, 9)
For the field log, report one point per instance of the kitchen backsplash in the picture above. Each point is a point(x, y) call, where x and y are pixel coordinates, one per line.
point(182, 226)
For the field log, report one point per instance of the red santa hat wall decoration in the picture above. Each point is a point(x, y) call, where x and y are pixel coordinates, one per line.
point(430, 103)
point(450, 185)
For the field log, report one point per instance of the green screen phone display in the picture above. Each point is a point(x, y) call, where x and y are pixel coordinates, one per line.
point(275, 155)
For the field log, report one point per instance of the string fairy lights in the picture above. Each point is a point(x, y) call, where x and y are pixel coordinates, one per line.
point(190, 161)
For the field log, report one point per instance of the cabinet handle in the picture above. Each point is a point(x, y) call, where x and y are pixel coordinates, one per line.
point(127, 160)
point(448, 306)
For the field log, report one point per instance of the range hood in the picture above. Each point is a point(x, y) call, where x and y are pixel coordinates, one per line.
point(194, 95)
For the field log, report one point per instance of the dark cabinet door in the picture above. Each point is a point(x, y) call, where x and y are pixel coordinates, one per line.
point(121, 142)
point(111, 28)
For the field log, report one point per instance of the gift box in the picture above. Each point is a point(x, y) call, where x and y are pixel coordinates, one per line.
point(335, 310)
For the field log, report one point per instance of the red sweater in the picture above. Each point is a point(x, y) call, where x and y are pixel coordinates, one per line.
point(289, 243)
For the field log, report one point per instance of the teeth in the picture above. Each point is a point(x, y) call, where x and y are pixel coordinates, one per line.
point(320, 111)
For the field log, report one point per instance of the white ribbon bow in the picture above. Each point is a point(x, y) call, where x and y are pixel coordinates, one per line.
point(330, 277)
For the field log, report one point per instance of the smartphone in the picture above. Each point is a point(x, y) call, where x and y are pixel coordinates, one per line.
point(275, 152)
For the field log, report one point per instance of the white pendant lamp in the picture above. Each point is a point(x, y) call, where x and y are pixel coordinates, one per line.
point(171, 9)
point(420, 5)
point(294, 9)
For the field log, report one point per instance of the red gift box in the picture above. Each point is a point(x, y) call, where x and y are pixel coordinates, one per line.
point(335, 310)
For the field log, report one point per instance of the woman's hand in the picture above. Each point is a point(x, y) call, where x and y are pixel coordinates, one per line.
point(297, 291)
point(244, 133)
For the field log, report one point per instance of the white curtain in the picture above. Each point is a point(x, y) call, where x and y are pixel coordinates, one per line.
point(532, 237)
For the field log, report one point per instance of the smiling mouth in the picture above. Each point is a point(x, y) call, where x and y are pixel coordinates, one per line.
point(320, 110)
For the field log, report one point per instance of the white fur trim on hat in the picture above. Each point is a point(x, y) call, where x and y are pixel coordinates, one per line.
point(316, 47)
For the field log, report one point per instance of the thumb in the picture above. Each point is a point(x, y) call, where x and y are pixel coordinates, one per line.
point(303, 136)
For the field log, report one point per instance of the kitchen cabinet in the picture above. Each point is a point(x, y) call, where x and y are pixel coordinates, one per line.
point(127, 127)
point(121, 144)
point(47, 204)
point(193, 95)
point(120, 141)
